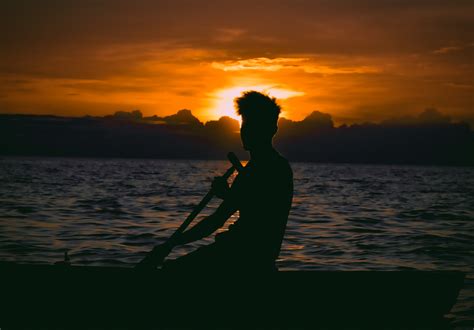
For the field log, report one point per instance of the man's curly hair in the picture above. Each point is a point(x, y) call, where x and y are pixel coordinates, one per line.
point(257, 106)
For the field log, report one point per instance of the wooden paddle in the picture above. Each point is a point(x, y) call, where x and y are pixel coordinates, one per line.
point(156, 257)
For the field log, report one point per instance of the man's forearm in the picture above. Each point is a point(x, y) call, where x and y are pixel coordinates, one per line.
point(208, 225)
point(202, 229)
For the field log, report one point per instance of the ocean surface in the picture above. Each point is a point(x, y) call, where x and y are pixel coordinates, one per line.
point(344, 217)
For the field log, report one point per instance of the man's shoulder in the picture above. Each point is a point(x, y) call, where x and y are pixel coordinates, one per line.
point(283, 165)
point(283, 161)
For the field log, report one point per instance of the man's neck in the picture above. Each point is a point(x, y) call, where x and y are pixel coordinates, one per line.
point(262, 152)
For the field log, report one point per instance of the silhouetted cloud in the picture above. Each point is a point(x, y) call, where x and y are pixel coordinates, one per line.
point(430, 116)
point(124, 115)
point(225, 124)
point(183, 117)
point(428, 138)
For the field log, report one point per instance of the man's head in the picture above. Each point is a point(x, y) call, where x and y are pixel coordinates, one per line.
point(259, 119)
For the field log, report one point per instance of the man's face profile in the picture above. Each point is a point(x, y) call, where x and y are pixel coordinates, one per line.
point(246, 134)
point(254, 133)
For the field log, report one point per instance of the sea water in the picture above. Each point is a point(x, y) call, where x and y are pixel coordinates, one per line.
point(344, 216)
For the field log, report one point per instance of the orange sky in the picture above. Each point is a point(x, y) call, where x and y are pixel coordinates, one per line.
point(359, 62)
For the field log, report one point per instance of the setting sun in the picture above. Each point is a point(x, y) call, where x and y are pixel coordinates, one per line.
point(223, 99)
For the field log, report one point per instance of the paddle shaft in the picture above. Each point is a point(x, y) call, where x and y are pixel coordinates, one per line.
point(202, 204)
point(236, 165)
point(157, 256)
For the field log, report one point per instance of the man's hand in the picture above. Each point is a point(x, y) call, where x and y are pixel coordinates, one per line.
point(220, 187)
point(155, 257)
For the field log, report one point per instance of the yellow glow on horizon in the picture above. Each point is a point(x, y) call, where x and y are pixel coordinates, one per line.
point(223, 104)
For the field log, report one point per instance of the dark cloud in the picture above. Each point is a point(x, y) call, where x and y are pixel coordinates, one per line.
point(315, 121)
point(125, 115)
point(429, 116)
point(224, 125)
point(429, 138)
point(302, 26)
point(182, 117)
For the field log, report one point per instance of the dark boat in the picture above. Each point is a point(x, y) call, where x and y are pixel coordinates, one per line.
point(123, 297)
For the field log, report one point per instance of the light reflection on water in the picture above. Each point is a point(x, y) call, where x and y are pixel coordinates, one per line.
point(344, 217)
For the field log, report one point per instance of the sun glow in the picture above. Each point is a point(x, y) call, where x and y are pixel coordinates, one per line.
point(223, 104)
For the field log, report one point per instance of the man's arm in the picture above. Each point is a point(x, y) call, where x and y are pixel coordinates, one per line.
point(204, 228)
point(208, 225)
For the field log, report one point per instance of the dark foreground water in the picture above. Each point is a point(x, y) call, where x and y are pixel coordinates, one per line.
point(344, 217)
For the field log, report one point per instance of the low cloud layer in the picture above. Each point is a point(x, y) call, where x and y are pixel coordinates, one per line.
point(427, 138)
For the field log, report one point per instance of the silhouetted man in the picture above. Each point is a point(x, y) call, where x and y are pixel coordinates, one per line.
point(262, 193)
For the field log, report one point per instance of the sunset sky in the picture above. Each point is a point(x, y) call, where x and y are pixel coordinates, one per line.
point(357, 60)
